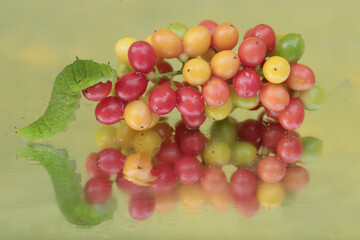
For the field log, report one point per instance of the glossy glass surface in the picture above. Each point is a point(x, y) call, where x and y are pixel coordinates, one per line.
point(38, 38)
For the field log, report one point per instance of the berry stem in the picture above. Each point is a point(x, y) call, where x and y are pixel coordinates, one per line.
point(167, 75)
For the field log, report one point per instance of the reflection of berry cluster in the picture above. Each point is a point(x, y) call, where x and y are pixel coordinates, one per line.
point(213, 78)
point(159, 166)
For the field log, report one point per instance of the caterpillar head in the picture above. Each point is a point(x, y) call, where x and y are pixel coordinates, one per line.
point(92, 74)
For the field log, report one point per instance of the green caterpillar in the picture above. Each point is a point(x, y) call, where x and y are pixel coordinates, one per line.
point(66, 185)
point(65, 96)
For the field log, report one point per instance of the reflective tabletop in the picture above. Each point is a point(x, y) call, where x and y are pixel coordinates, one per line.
point(38, 38)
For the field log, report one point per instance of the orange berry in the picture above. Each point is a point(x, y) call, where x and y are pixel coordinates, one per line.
point(225, 37)
point(225, 64)
point(196, 41)
point(166, 43)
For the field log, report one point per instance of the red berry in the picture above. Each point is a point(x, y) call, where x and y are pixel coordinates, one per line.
point(189, 102)
point(162, 100)
point(98, 91)
point(246, 82)
point(265, 33)
point(274, 96)
point(164, 67)
point(215, 92)
point(110, 110)
point(194, 122)
point(142, 56)
point(301, 77)
point(272, 114)
point(131, 86)
point(209, 24)
point(248, 33)
point(252, 52)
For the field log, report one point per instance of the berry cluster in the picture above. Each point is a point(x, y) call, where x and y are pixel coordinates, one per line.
point(159, 166)
point(263, 73)
point(153, 160)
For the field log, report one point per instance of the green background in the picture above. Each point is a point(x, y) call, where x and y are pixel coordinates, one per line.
point(38, 38)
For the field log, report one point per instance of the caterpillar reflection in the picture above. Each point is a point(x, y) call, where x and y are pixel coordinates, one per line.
point(65, 96)
point(66, 186)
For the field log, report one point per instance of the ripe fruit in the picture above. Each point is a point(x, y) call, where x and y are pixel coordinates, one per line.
point(109, 111)
point(138, 115)
point(189, 102)
point(225, 37)
point(131, 86)
point(194, 122)
point(98, 91)
point(274, 96)
point(252, 52)
point(265, 33)
point(221, 112)
point(196, 71)
point(166, 43)
point(225, 64)
point(196, 41)
point(142, 56)
point(162, 100)
point(276, 69)
point(215, 92)
point(246, 82)
point(301, 77)
point(122, 48)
